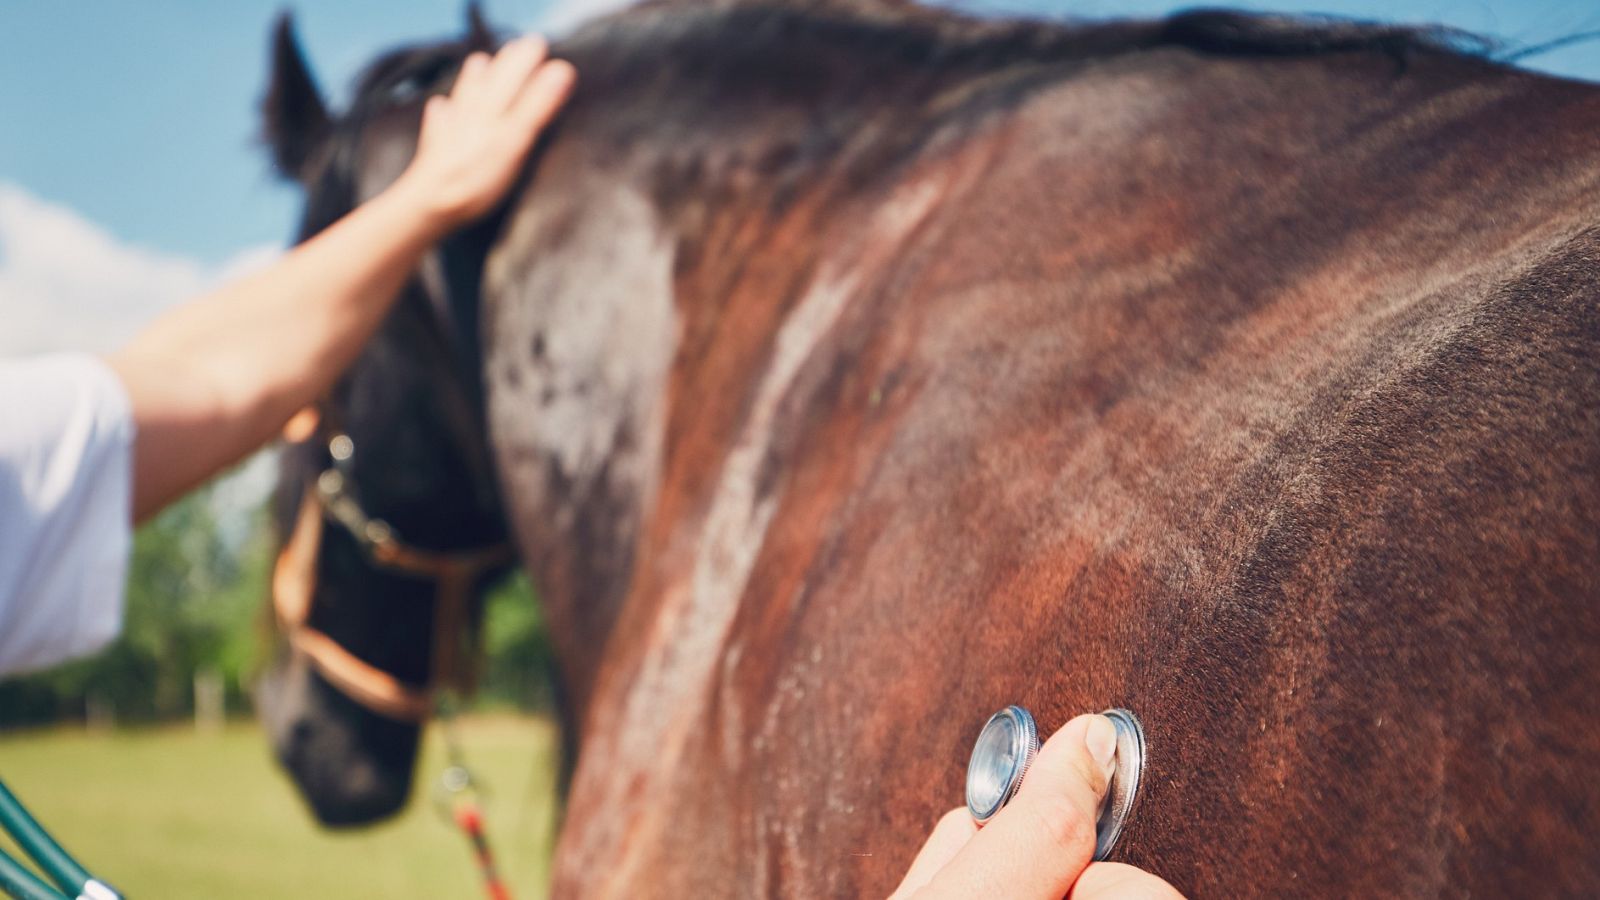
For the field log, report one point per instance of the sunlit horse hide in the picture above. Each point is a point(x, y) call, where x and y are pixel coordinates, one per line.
point(854, 371)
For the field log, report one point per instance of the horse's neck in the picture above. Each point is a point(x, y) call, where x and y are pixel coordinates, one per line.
point(581, 332)
point(613, 271)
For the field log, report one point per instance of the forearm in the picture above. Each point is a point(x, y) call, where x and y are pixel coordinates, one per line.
point(214, 379)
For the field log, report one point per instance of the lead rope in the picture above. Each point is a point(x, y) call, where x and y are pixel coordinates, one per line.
point(17, 881)
point(459, 799)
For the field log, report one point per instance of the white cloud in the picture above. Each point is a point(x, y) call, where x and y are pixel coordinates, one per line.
point(68, 284)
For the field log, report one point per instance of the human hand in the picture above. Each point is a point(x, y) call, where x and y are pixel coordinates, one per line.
point(473, 142)
point(1041, 845)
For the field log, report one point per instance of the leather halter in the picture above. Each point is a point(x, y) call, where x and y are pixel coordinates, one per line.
point(454, 572)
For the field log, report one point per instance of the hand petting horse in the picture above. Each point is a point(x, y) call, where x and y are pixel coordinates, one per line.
point(845, 371)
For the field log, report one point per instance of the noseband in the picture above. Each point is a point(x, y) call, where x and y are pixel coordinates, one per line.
point(454, 573)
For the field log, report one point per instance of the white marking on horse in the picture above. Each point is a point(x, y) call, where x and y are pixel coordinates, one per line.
point(603, 317)
point(644, 744)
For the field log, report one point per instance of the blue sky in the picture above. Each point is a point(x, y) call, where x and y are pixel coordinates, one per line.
point(130, 126)
point(141, 114)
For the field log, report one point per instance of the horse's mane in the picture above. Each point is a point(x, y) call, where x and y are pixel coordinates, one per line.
point(775, 29)
point(760, 48)
point(699, 89)
point(787, 49)
point(668, 35)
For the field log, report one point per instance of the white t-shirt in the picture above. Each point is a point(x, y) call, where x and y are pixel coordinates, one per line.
point(66, 459)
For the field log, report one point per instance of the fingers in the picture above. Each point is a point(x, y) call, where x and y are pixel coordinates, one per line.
point(436, 113)
point(1037, 846)
point(955, 828)
point(544, 95)
point(469, 81)
point(1115, 881)
point(518, 81)
point(510, 70)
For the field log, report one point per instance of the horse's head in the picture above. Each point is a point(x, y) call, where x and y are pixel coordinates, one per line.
point(386, 502)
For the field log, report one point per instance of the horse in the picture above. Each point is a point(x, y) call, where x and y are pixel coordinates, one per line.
point(415, 506)
point(854, 369)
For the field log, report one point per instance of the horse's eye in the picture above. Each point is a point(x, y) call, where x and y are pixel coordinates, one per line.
point(406, 90)
point(420, 82)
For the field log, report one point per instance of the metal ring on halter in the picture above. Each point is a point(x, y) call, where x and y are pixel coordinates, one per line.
point(1005, 750)
point(456, 784)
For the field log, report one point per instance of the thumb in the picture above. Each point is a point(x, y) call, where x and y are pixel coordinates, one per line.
point(1044, 838)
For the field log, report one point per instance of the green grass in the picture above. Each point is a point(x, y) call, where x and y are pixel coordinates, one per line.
point(171, 813)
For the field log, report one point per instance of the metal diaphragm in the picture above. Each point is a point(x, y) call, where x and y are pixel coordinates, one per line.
point(1117, 807)
point(1006, 747)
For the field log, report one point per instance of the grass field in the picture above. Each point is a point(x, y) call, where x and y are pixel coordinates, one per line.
point(171, 813)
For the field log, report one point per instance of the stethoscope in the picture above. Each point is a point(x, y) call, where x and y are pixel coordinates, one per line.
point(1006, 747)
point(1004, 750)
point(68, 879)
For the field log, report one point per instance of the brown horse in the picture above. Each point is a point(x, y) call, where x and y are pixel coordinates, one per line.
point(855, 370)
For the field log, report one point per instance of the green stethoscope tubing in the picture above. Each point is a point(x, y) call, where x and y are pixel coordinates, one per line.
point(72, 879)
point(18, 881)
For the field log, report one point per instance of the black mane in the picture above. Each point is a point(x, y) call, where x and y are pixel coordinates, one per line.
point(767, 48)
point(664, 35)
point(920, 34)
point(775, 89)
point(773, 47)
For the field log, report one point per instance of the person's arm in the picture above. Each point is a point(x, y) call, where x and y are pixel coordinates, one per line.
point(213, 380)
point(1040, 846)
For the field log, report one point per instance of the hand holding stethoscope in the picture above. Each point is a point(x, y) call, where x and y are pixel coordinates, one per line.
point(1039, 836)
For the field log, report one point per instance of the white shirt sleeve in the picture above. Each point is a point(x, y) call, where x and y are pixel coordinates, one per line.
point(66, 459)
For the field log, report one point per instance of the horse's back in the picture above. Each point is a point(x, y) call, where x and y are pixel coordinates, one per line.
point(1272, 421)
point(1254, 395)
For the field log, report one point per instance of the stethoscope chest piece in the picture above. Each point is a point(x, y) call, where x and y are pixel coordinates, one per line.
point(1123, 790)
point(1006, 747)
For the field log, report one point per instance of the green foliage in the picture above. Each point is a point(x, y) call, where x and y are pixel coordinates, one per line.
point(195, 603)
point(517, 670)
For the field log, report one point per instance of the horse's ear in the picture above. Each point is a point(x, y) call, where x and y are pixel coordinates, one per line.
point(295, 120)
point(480, 36)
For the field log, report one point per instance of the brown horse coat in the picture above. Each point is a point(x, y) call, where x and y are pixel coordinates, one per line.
point(855, 374)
